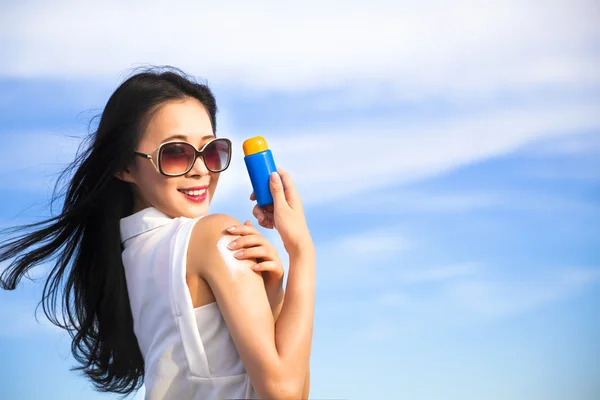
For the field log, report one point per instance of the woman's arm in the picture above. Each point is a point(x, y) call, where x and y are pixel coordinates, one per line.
point(277, 303)
point(275, 354)
point(306, 390)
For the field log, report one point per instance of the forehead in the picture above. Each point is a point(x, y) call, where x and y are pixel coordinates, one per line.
point(186, 117)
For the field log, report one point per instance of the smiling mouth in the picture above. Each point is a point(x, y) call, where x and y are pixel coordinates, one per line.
point(193, 192)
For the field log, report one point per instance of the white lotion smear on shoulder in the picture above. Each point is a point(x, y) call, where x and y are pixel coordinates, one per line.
point(234, 265)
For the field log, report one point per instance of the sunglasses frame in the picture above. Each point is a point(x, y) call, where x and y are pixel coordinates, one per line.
point(198, 153)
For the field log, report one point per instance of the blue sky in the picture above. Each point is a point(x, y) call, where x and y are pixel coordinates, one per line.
point(448, 154)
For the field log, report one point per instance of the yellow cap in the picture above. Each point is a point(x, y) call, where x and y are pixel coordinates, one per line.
point(255, 145)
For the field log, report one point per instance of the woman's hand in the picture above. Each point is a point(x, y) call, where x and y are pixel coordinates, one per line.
point(288, 215)
point(264, 215)
point(253, 246)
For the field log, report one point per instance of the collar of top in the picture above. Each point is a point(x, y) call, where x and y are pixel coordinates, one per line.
point(141, 222)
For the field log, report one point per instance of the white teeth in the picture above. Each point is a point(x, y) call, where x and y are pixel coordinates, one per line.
point(193, 192)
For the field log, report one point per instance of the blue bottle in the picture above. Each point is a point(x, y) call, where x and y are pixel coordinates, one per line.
point(260, 166)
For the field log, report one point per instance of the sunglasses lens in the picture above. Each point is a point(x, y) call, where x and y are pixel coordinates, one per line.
point(216, 155)
point(176, 158)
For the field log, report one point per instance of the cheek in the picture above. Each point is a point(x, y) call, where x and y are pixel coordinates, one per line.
point(150, 183)
point(212, 186)
point(214, 179)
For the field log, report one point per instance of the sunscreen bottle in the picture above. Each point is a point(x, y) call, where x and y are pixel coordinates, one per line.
point(260, 166)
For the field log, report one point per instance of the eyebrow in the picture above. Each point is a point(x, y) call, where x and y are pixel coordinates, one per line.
point(185, 138)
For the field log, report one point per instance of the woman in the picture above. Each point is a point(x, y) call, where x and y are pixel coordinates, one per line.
point(154, 289)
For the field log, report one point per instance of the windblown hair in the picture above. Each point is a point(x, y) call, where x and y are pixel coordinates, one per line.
point(85, 291)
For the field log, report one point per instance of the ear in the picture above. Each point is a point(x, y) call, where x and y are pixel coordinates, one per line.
point(125, 175)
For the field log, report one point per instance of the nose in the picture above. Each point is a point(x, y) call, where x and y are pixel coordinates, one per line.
point(198, 169)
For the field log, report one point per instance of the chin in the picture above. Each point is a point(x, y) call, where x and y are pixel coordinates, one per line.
point(195, 211)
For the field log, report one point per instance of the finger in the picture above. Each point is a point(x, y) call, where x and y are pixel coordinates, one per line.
point(248, 242)
point(252, 196)
point(253, 253)
point(276, 186)
point(291, 195)
point(268, 208)
point(267, 224)
point(248, 223)
point(270, 220)
point(243, 230)
point(258, 214)
point(268, 215)
point(268, 266)
point(262, 223)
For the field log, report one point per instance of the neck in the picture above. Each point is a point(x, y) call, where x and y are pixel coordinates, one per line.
point(139, 204)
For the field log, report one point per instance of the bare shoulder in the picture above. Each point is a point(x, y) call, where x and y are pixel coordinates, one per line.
point(209, 240)
point(214, 226)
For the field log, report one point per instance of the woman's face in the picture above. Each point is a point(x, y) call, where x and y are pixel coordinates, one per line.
point(181, 120)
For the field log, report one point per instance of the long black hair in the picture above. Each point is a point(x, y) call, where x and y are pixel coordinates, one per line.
point(86, 285)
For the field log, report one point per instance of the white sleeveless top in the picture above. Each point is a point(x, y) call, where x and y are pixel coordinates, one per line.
point(188, 353)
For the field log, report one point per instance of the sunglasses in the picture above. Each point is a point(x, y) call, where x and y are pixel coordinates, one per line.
point(178, 158)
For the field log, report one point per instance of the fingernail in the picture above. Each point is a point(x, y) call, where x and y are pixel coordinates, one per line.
point(232, 245)
point(239, 254)
point(261, 218)
point(231, 229)
point(255, 266)
point(274, 177)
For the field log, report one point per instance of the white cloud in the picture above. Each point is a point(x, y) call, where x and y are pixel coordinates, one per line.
point(410, 201)
point(572, 145)
point(429, 47)
point(370, 244)
point(364, 256)
point(373, 260)
point(494, 299)
point(464, 301)
point(438, 274)
point(338, 164)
